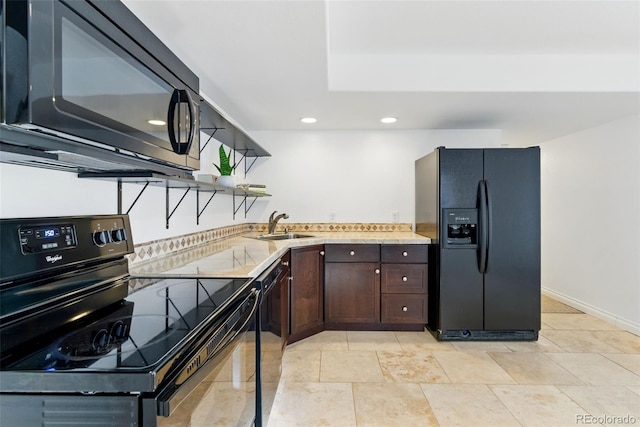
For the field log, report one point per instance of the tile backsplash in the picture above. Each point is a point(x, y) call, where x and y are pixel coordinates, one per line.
point(158, 248)
point(332, 226)
point(150, 251)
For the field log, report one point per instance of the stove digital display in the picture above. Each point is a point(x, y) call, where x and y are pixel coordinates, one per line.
point(47, 233)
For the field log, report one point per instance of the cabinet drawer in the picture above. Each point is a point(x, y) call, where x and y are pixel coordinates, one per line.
point(404, 253)
point(403, 308)
point(351, 253)
point(404, 278)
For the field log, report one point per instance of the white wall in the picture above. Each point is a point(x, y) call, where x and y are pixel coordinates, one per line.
point(591, 220)
point(361, 176)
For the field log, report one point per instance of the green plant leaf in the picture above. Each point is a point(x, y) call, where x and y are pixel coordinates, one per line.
point(225, 167)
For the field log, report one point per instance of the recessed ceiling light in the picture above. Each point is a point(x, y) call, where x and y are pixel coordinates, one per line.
point(308, 120)
point(388, 120)
point(156, 122)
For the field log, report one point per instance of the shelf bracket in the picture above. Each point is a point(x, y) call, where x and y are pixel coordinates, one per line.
point(210, 137)
point(146, 184)
point(242, 156)
point(236, 209)
point(248, 168)
point(247, 206)
point(169, 215)
point(199, 212)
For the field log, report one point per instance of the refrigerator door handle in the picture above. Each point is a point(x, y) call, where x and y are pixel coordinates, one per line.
point(484, 227)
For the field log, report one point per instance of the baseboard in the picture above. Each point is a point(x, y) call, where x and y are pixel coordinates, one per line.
point(618, 322)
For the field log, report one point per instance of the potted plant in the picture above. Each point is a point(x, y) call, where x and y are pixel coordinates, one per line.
point(225, 168)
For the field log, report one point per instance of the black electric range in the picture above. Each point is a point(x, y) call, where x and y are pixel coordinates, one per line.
point(74, 339)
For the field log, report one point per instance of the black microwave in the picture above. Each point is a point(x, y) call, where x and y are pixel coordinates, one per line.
point(90, 72)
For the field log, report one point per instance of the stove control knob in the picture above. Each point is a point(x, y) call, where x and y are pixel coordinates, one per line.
point(118, 235)
point(101, 238)
point(101, 342)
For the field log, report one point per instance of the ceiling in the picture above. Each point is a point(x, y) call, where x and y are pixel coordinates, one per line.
point(534, 69)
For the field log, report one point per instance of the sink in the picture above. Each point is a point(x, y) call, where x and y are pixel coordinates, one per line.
point(281, 236)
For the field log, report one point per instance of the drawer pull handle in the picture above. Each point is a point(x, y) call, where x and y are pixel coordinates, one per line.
point(377, 271)
point(404, 278)
point(404, 308)
point(321, 253)
point(352, 253)
point(405, 253)
point(285, 263)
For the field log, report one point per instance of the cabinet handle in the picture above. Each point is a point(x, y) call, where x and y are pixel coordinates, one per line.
point(321, 253)
point(352, 253)
point(405, 253)
point(404, 278)
point(285, 263)
point(404, 308)
point(377, 271)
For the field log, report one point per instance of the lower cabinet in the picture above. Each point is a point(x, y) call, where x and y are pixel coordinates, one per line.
point(306, 296)
point(351, 285)
point(375, 286)
point(356, 287)
point(352, 293)
point(404, 284)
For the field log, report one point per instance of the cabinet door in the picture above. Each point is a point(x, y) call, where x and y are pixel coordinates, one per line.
point(404, 308)
point(404, 278)
point(352, 252)
point(352, 292)
point(404, 253)
point(306, 293)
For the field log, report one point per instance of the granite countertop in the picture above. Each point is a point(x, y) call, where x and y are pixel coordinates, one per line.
point(244, 256)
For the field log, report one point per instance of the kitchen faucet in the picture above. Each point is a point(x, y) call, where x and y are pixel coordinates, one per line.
point(274, 221)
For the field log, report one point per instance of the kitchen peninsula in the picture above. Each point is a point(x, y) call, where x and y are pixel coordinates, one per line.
point(246, 256)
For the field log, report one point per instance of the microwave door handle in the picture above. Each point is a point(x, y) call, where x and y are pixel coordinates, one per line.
point(192, 118)
point(180, 96)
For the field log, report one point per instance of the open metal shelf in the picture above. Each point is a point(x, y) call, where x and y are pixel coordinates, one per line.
point(212, 122)
point(147, 178)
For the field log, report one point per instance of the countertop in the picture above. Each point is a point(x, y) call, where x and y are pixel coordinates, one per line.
point(246, 257)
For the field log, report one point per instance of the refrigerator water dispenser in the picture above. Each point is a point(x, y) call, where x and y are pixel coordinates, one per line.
point(461, 227)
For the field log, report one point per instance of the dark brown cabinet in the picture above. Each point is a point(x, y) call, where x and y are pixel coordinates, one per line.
point(351, 285)
point(352, 293)
point(305, 292)
point(404, 282)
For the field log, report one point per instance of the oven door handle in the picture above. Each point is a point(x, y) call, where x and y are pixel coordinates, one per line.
point(209, 355)
point(233, 332)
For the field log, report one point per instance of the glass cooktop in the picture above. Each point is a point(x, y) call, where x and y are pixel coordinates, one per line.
point(143, 331)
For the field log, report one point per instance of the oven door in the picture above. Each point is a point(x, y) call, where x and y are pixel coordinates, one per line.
point(76, 74)
point(218, 377)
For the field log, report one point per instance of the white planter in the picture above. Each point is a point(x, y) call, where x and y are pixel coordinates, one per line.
point(227, 181)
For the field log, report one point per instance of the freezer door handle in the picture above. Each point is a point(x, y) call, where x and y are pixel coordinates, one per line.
point(484, 227)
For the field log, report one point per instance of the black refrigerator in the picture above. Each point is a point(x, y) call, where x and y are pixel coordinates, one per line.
point(481, 208)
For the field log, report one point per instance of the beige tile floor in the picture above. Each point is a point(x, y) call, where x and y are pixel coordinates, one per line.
point(580, 367)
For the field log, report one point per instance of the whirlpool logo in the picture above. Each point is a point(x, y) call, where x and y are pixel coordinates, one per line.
point(53, 259)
